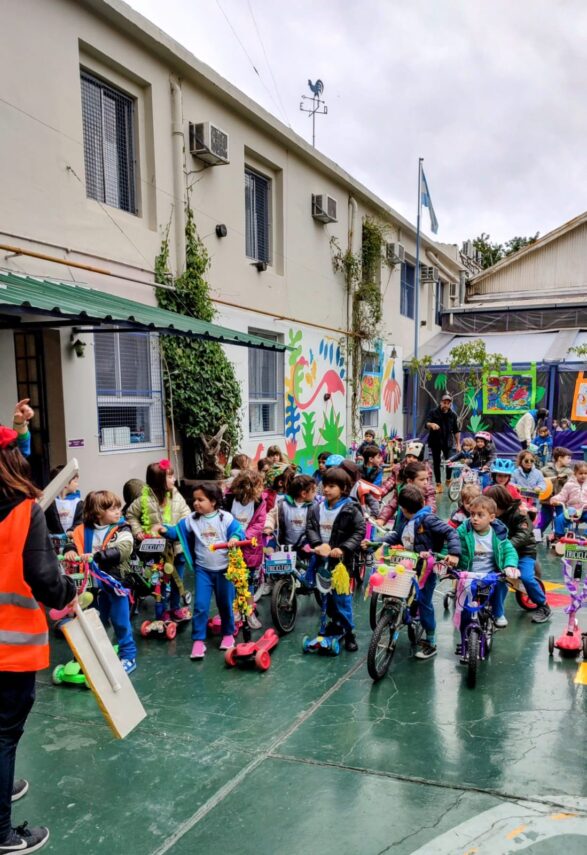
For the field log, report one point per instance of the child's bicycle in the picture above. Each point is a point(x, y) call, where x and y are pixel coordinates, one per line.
point(286, 572)
point(473, 596)
point(461, 475)
point(573, 549)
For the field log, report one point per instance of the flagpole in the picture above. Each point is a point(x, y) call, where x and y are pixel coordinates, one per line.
point(417, 305)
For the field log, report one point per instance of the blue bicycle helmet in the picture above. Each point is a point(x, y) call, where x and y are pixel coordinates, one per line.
point(503, 466)
point(334, 460)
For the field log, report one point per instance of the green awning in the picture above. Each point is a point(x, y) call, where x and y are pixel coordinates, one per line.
point(85, 306)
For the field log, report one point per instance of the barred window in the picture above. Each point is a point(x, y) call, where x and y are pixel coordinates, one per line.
point(266, 390)
point(407, 290)
point(257, 220)
point(108, 117)
point(128, 388)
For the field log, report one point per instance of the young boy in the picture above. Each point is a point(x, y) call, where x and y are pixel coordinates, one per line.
point(423, 532)
point(372, 469)
point(369, 439)
point(559, 470)
point(462, 513)
point(319, 473)
point(485, 547)
point(65, 513)
point(290, 513)
point(335, 529)
point(543, 443)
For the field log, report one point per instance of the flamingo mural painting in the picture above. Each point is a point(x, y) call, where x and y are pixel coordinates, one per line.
point(315, 394)
point(380, 390)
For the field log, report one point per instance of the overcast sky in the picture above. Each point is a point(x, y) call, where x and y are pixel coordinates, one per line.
point(492, 93)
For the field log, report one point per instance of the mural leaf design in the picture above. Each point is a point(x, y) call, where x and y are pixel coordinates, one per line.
point(292, 418)
point(540, 393)
point(477, 423)
point(308, 427)
point(440, 382)
point(472, 400)
point(331, 432)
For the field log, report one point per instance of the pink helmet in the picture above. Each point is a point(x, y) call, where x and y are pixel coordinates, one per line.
point(483, 434)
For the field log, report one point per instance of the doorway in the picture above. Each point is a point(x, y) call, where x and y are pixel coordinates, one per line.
point(30, 381)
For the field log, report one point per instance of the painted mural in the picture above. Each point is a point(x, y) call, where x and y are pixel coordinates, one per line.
point(509, 392)
point(381, 390)
point(579, 412)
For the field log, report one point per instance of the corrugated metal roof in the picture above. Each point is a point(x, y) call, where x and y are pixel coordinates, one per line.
point(516, 347)
point(84, 305)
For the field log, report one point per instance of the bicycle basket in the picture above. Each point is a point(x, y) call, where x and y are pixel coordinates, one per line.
point(400, 586)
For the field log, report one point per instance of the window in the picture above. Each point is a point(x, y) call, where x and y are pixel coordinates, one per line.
point(407, 290)
point(107, 117)
point(266, 391)
point(257, 204)
point(128, 388)
point(369, 418)
point(371, 362)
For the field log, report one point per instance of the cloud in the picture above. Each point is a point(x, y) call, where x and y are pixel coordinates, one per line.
point(491, 93)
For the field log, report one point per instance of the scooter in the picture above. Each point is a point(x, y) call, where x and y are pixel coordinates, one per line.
point(152, 552)
point(572, 641)
point(329, 638)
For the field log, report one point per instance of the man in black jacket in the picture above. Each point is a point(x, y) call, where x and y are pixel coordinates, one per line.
point(444, 432)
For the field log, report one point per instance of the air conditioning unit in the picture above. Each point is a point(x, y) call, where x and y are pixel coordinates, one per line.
point(324, 208)
point(468, 249)
point(428, 274)
point(208, 143)
point(395, 253)
point(453, 290)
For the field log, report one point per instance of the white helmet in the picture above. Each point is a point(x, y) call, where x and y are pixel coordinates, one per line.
point(414, 448)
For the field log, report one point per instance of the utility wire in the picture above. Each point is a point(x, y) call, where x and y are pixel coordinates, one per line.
point(268, 63)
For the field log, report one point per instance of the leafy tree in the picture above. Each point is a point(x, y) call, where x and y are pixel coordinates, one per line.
point(516, 243)
point(491, 252)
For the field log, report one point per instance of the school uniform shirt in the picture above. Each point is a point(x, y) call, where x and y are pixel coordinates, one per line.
point(409, 535)
point(243, 514)
point(66, 509)
point(207, 529)
point(293, 515)
point(99, 533)
point(326, 518)
point(483, 560)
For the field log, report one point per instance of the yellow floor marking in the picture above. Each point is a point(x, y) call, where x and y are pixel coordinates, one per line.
point(563, 815)
point(516, 832)
point(582, 674)
point(553, 586)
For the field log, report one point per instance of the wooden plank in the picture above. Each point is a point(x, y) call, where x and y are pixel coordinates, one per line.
point(60, 481)
point(121, 706)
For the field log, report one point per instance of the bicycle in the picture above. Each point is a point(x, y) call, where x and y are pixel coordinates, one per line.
point(287, 572)
point(461, 475)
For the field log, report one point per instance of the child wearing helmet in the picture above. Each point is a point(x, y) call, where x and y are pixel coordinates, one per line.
point(502, 470)
point(414, 453)
point(483, 455)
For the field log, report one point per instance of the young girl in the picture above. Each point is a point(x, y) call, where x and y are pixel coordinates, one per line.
point(276, 455)
point(335, 529)
point(526, 475)
point(196, 533)
point(573, 495)
point(131, 490)
point(418, 475)
point(468, 493)
point(288, 517)
point(65, 513)
point(246, 504)
point(502, 470)
point(240, 463)
point(106, 540)
point(483, 456)
point(413, 454)
point(161, 503)
point(277, 481)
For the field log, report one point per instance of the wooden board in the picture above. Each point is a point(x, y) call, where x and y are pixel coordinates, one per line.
point(60, 481)
point(122, 709)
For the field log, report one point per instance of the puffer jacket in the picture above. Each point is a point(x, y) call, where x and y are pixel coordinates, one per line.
point(532, 480)
point(179, 511)
point(504, 553)
point(520, 530)
point(348, 529)
point(431, 534)
point(559, 476)
point(573, 494)
point(116, 551)
point(389, 510)
point(483, 457)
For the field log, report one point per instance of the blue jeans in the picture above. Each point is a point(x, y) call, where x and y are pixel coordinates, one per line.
point(497, 601)
point(561, 524)
point(426, 606)
point(116, 610)
point(207, 581)
point(527, 575)
point(339, 608)
point(17, 696)
point(546, 515)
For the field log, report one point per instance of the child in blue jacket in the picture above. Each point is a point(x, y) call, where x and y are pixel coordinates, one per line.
point(196, 533)
point(423, 532)
point(526, 474)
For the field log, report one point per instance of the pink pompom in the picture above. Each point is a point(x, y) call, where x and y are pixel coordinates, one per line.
point(376, 580)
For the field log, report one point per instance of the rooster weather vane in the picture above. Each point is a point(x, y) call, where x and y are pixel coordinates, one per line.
point(317, 106)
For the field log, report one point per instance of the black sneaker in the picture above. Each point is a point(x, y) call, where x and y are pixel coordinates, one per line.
point(542, 614)
point(24, 839)
point(332, 628)
point(19, 789)
point(350, 642)
point(426, 650)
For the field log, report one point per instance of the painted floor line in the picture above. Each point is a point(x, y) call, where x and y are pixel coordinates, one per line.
point(413, 779)
point(581, 676)
point(228, 788)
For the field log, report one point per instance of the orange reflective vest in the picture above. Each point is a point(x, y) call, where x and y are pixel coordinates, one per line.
point(24, 636)
point(79, 536)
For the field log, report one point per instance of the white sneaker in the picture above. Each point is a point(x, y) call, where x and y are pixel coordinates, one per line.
point(501, 622)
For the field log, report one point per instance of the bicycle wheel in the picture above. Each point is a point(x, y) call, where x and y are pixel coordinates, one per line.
point(524, 601)
point(284, 605)
point(454, 489)
point(488, 632)
point(472, 658)
point(382, 646)
point(375, 607)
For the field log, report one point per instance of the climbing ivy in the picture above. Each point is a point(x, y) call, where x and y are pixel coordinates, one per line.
point(200, 381)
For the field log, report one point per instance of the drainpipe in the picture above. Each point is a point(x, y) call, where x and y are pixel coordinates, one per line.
point(177, 140)
point(352, 218)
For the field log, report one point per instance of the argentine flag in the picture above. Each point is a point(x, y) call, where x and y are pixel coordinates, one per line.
point(427, 202)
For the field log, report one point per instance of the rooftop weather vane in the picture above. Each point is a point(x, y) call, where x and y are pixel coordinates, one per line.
point(317, 106)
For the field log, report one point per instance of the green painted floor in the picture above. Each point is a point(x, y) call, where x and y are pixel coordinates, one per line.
point(311, 757)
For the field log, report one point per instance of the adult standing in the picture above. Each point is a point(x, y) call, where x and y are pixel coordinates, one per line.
point(527, 426)
point(443, 434)
point(29, 574)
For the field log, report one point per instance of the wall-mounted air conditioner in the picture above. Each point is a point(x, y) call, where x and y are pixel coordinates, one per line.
point(428, 274)
point(468, 249)
point(324, 208)
point(395, 253)
point(208, 143)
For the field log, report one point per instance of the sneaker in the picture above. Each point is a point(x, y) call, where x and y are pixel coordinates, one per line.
point(24, 839)
point(198, 650)
point(254, 621)
point(227, 642)
point(426, 650)
point(19, 789)
point(501, 622)
point(332, 628)
point(129, 666)
point(542, 614)
point(181, 614)
point(350, 642)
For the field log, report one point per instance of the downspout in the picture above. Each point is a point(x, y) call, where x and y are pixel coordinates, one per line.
point(353, 214)
point(177, 140)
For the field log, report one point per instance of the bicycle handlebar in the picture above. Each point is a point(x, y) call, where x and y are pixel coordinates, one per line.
point(234, 544)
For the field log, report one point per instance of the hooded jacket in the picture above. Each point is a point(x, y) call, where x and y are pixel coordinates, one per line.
point(532, 480)
point(520, 530)
point(431, 534)
point(348, 529)
point(573, 494)
point(482, 457)
point(504, 553)
point(389, 510)
point(253, 555)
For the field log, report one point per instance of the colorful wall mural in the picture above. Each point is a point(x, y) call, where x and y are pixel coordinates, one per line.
point(509, 392)
point(381, 391)
point(579, 411)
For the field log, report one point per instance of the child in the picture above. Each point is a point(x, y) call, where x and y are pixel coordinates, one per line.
point(276, 455)
point(421, 531)
point(106, 540)
point(335, 529)
point(521, 536)
point(246, 504)
point(413, 454)
point(161, 503)
point(573, 495)
point(288, 517)
point(240, 463)
point(363, 492)
point(543, 443)
point(372, 469)
point(416, 475)
point(465, 455)
point(196, 533)
point(131, 491)
point(65, 513)
point(483, 456)
point(559, 471)
point(484, 548)
point(277, 482)
point(502, 470)
point(319, 473)
point(526, 475)
point(368, 439)
point(462, 513)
